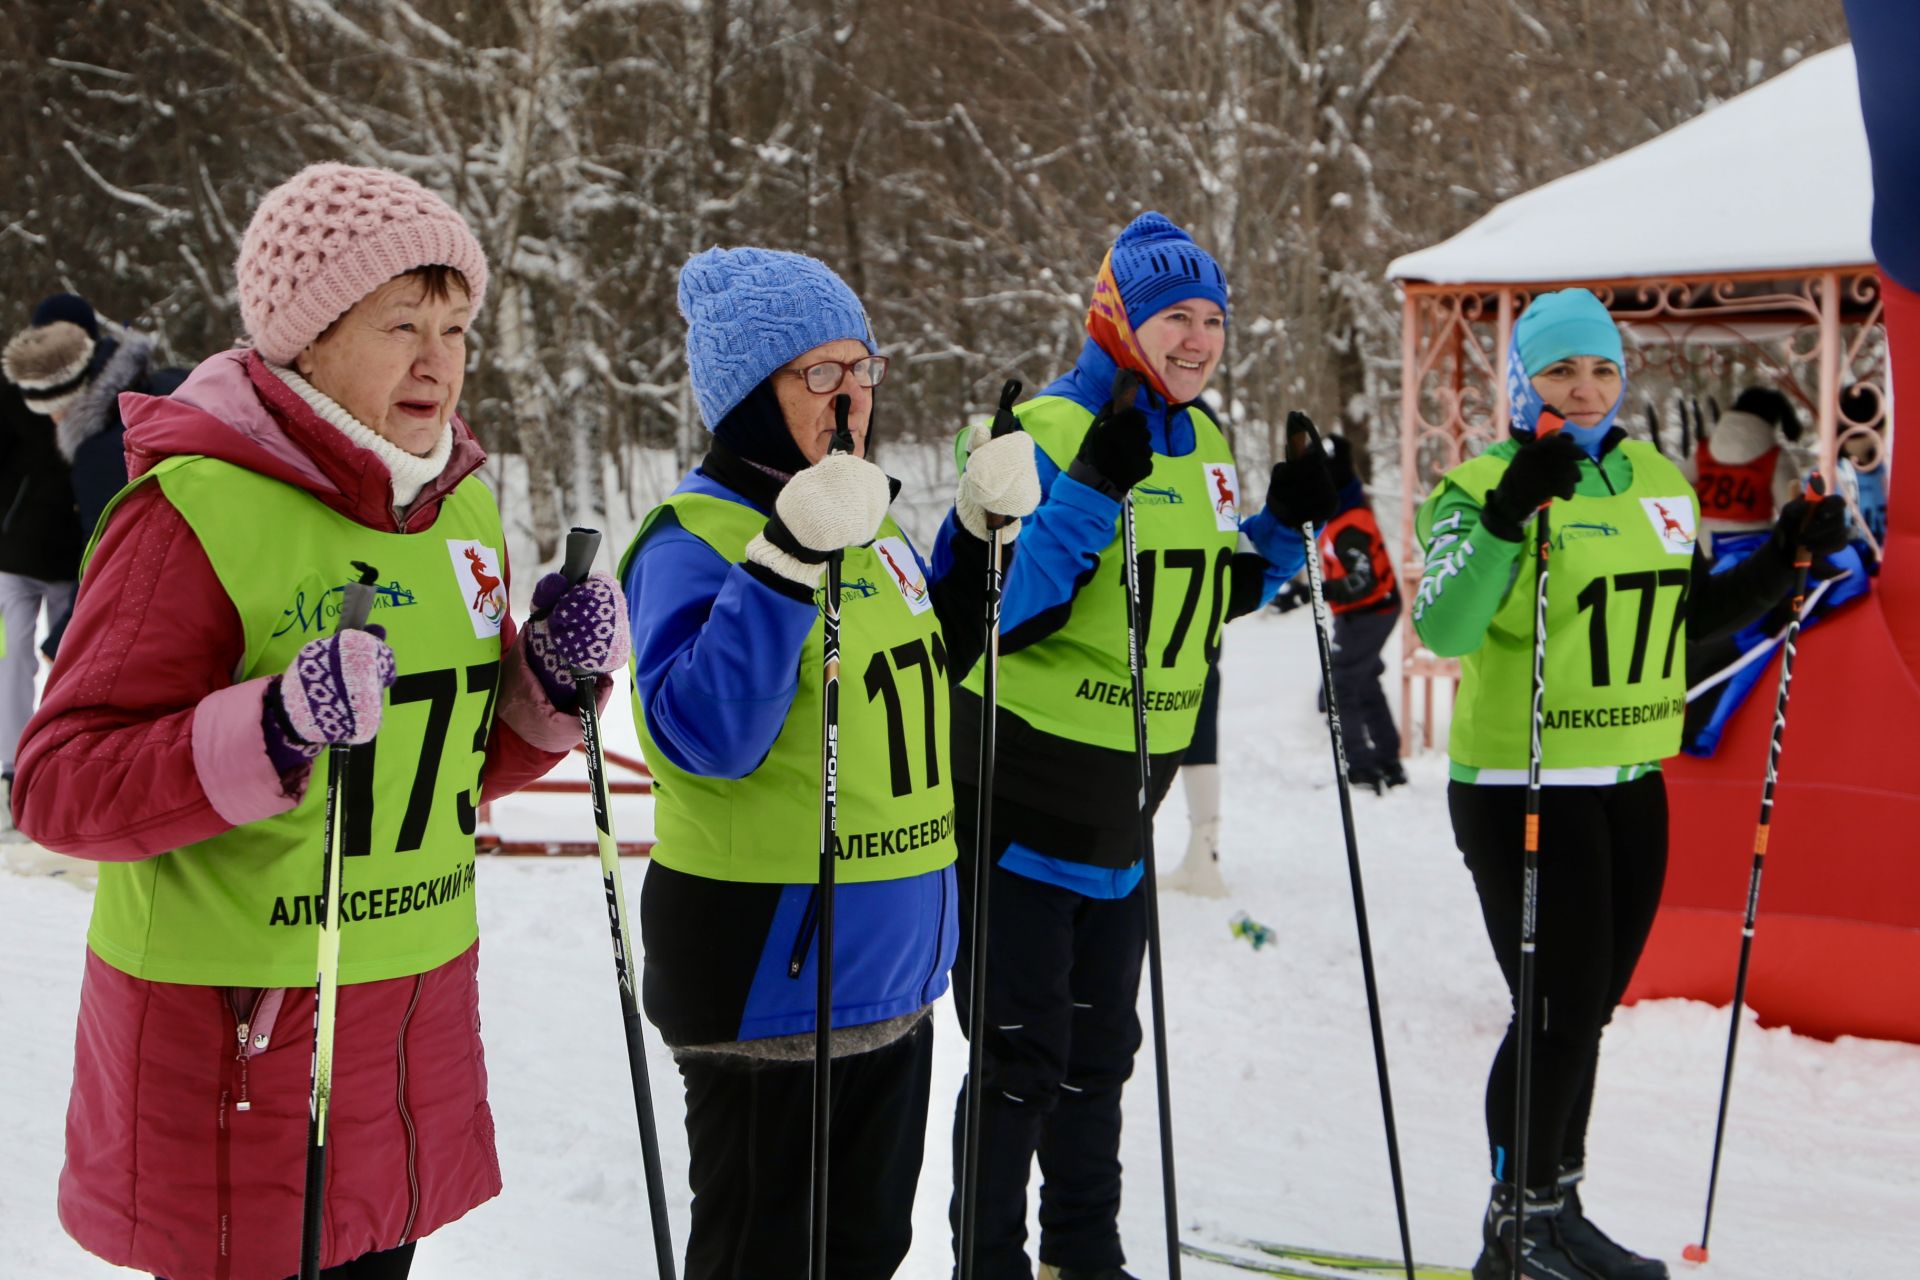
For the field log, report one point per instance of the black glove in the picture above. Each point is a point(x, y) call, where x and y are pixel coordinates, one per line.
point(1546, 467)
point(1117, 452)
point(1292, 596)
point(1821, 528)
point(1302, 490)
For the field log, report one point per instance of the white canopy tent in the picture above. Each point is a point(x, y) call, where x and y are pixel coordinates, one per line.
point(1777, 178)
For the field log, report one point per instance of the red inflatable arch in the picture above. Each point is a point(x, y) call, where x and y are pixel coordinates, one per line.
point(1837, 947)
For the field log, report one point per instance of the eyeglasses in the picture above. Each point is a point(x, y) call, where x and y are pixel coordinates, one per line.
point(825, 377)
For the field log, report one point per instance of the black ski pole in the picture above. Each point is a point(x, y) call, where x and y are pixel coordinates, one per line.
point(356, 604)
point(1004, 421)
point(1549, 422)
point(1301, 436)
point(829, 842)
point(582, 546)
point(1125, 385)
point(1802, 563)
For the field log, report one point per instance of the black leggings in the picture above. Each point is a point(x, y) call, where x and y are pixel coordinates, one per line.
point(1603, 858)
point(388, 1264)
point(1063, 1027)
point(749, 1134)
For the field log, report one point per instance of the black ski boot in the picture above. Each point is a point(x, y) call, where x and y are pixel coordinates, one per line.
point(1364, 777)
point(1543, 1254)
point(1393, 774)
point(1591, 1246)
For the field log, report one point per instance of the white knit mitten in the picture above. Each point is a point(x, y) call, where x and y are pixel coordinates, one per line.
point(837, 502)
point(1000, 480)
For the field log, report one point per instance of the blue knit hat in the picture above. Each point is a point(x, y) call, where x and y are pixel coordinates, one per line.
point(1571, 322)
point(749, 311)
point(1156, 264)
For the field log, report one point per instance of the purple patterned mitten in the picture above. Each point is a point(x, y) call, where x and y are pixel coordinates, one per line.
point(581, 625)
point(288, 754)
point(331, 690)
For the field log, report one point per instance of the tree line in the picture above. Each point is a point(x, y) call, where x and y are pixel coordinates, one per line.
point(963, 163)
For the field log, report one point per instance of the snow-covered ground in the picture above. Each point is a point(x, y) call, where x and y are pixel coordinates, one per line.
point(1275, 1103)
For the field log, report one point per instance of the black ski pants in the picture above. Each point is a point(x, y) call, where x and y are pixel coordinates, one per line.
point(1372, 742)
point(1062, 1028)
point(750, 1142)
point(1603, 859)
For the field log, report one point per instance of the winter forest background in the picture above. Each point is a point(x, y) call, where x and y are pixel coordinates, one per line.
point(962, 163)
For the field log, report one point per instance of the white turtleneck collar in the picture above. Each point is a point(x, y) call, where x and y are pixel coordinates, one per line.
point(410, 473)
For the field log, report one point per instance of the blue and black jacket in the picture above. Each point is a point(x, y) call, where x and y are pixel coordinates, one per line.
point(1066, 810)
point(719, 954)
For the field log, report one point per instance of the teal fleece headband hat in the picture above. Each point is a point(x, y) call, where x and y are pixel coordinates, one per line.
point(1571, 322)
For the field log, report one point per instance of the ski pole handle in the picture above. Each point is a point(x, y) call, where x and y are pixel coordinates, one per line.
point(1815, 490)
point(1302, 435)
point(582, 546)
point(842, 434)
point(1126, 385)
point(356, 605)
point(1005, 422)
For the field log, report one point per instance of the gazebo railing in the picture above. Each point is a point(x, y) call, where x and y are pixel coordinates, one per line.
point(1814, 334)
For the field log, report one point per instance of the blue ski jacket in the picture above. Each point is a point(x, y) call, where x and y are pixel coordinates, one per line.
point(720, 954)
point(1059, 546)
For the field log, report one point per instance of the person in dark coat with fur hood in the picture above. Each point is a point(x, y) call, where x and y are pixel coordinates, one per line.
point(39, 560)
point(71, 365)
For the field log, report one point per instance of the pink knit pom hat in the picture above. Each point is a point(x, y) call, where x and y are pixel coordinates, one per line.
point(332, 234)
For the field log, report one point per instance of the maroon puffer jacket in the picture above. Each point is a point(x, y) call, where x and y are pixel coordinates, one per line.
point(186, 1141)
point(186, 1145)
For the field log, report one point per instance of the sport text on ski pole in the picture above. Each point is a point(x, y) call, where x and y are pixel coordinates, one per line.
point(1004, 422)
point(1301, 437)
point(1126, 385)
point(355, 606)
point(582, 546)
point(829, 848)
point(1802, 565)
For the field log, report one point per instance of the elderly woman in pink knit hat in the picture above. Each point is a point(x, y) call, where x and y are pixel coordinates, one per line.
point(201, 677)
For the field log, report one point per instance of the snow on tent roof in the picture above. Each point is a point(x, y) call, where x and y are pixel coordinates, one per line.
point(1775, 178)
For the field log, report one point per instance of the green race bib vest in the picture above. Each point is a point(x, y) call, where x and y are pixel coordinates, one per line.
point(895, 797)
point(1615, 672)
point(241, 909)
point(1076, 683)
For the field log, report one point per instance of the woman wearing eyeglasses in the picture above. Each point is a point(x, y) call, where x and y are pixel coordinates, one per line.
point(727, 675)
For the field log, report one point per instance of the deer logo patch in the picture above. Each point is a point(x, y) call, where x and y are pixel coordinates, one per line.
point(1223, 488)
point(1672, 521)
point(478, 573)
point(902, 569)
